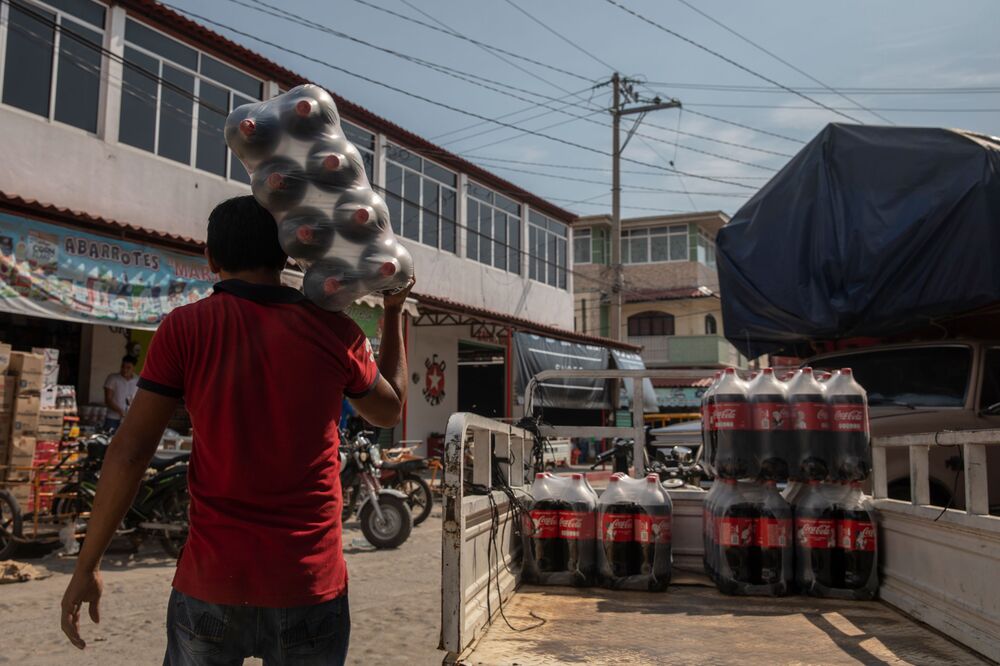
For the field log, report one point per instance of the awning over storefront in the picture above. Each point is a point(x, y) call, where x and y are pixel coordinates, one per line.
point(625, 360)
point(536, 353)
point(57, 272)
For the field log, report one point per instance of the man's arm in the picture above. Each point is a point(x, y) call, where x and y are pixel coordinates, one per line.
point(109, 401)
point(126, 461)
point(383, 407)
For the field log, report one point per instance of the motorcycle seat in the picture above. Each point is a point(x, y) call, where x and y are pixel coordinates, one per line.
point(160, 462)
point(401, 465)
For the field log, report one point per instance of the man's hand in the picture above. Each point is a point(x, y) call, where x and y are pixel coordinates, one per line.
point(84, 587)
point(397, 299)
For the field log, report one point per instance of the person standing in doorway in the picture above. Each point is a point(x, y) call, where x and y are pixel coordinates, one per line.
point(119, 391)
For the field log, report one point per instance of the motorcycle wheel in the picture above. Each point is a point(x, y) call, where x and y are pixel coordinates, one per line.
point(393, 529)
point(174, 510)
point(68, 504)
point(418, 494)
point(10, 524)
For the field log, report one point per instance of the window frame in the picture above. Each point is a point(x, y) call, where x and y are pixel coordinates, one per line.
point(546, 231)
point(423, 210)
point(56, 46)
point(480, 197)
point(653, 319)
point(671, 232)
point(586, 236)
point(706, 246)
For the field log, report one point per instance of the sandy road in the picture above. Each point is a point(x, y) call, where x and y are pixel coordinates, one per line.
point(395, 607)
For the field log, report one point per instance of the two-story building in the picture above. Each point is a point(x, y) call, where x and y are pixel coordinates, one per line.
point(111, 119)
point(670, 295)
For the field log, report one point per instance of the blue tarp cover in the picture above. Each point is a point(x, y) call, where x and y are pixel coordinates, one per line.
point(868, 231)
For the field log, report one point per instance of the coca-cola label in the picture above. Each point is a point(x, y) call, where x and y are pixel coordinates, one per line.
point(652, 529)
point(736, 532)
point(617, 527)
point(731, 416)
point(576, 525)
point(849, 417)
point(856, 535)
point(773, 533)
point(816, 532)
point(546, 524)
point(810, 416)
point(770, 416)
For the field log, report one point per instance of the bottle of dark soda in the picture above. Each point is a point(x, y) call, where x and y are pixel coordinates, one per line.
point(850, 439)
point(306, 234)
point(652, 533)
point(309, 113)
point(617, 533)
point(332, 284)
point(253, 132)
point(708, 529)
point(708, 435)
point(815, 540)
point(334, 164)
point(548, 548)
point(738, 561)
point(772, 427)
point(810, 426)
point(731, 415)
point(578, 531)
point(856, 535)
point(279, 184)
point(774, 542)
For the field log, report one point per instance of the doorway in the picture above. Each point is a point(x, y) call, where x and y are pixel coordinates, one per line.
point(482, 379)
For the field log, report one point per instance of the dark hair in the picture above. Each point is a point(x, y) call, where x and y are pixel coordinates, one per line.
point(242, 236)
point(128, 358)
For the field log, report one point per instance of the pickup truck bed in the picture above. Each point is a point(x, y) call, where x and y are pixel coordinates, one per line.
point(693, 623)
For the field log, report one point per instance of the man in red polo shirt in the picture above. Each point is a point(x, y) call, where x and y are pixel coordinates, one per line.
point(262, 372)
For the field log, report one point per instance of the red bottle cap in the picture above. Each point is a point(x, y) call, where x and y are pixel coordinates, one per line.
point(331, 286)
point(387, 269)
point(276, 181)
point(304, 107)
point(577, 477)
point(331, 162)
point(730, 371)
point(540, 475)
point(768, 371)
point(361, 215)
point(304, 234)
point(247, 127)
point(846, 371)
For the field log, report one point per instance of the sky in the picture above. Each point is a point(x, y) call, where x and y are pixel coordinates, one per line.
point(912, 62)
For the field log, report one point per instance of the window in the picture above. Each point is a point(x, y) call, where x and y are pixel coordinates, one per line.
point(989, 399)
point(168, 88)
point(494, 229)
point(581, 246)
point(706, 249)
point(364, 141)
point(590, 246)
point(547, 244)
point(711, 327)
point(643, 246)
point(651, 323)
point(38, 53)
point(421, 197)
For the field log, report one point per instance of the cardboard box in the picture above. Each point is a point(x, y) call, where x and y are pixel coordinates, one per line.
point(29, 382)
point(25, 416)
point(50, 370)
point(8, 389)
point(5, 350)
point(25, 363)
point(22, 454)
point(50, 397)
point(50, 417)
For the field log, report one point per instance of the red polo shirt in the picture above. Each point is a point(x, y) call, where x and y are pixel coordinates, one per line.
point(262, 372)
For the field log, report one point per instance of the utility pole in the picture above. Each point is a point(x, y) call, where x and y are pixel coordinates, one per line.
point(622, 88)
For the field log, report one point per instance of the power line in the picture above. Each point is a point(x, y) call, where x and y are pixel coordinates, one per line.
point(827, 108)
point(485, 158)
point(744, 126)
point(780, 59)
point(727, 59)
point(725, 87)
point(563, 38)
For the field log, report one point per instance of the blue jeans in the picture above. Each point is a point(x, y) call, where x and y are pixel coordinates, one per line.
point(204, 634)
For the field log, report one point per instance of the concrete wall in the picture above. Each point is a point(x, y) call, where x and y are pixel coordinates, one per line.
point(422, 418)
point(106, 348)
point(689, 314)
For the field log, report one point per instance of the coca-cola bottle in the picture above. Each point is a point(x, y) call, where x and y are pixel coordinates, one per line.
point(708, 528)
point(617, 533)
point(253, 133)
point(731, 416)
point(309, 114)
point(361, 216)
point(387, 265)
point(332, 284)
point(578, 531)
point(279, 184)
point(775, 541)
point(652, 532)
point(856, 535)
point(772, 427)
point(815, 540)
point(708, 435)
point(810, 426)
point(334, 164)
point(849, 431)
point(738, 562)
point(548, 548)
point(306, 234)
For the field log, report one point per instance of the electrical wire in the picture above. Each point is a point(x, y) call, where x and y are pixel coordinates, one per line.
point(576, 46)
point(727, 59)
point(721, 87)
point(486, 158)
point(835, 109)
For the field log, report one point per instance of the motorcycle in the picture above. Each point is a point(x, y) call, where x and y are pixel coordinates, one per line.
point(401, 470)
point(384, 513)
point(160, 508)
point(676, 466)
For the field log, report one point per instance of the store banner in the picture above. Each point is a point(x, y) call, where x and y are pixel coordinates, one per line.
point(61, 273)
point(625, 360)
point(536, 353)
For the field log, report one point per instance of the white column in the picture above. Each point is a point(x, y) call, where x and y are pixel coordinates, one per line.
point(110, 96)
point(4, 22)
point(379, 174)
point(525, 247)
point(462, 215)
point(569, 258)
point(271, 89)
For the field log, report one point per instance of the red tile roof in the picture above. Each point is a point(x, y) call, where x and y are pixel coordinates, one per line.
point(642, 295)
point(191, 31)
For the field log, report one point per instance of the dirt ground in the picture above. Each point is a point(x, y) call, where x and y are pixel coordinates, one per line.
point(395, 607)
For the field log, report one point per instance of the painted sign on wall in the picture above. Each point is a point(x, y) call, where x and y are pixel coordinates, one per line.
point(434, 380)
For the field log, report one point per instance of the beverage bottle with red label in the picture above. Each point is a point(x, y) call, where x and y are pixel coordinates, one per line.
point(279, 184)
point(253, 133)
point(810, 427)
point(334, 164)
point(731, 415)
point(618, 553)
point(652, 532)
point(856, 534)
point(548, 551)
point(708, 438)
point(332, 284)
point(815, 540)
point(578, 531)
point(709, 542)
point(737, 519)
point(772, 426)
point(849, 430)
point(306, 233)
point(308, 114)
point(775, 542)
